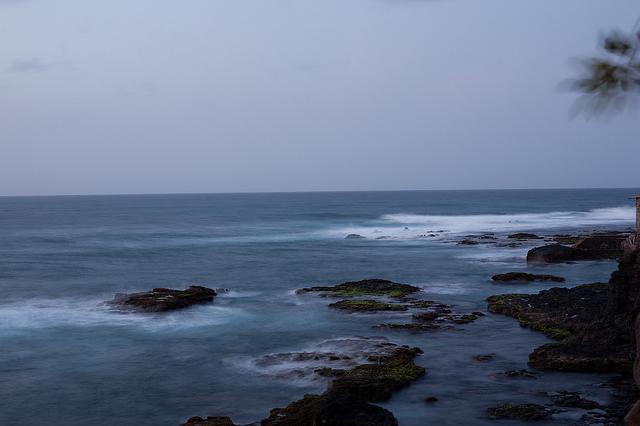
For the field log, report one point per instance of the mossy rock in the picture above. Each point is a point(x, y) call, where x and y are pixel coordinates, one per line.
point(367, 306)
point(498, 303)
point(371, 287)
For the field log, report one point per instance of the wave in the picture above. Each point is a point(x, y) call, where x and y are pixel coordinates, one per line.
point(414, 226)
point(17, 317)
point(301, 367)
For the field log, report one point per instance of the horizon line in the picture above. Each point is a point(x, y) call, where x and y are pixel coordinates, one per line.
point(116, 194)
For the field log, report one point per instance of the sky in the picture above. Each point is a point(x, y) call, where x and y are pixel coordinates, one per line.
point(168, 96)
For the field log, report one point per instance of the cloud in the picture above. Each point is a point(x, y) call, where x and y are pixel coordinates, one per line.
point(30, 65)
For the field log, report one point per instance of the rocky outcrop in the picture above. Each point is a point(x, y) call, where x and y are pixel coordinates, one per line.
point(165, 299)
point(593, 323)
point(557, 312)
point(594, 247)
point(526, 277)
point(347, 400)
point(209, 421)
point(607, 344)
point(524, 236)
point(330, 409)
point(371, 287)
point(601, 246)
point(552, 253)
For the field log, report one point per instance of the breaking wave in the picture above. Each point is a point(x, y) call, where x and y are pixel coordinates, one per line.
point(412, 226)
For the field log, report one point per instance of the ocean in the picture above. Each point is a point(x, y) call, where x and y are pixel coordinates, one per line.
point(66, 358)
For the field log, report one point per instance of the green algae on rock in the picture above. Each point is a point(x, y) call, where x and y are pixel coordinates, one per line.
point(557, 312)
point(367, 305)
point(370, 287)
point(347, 400)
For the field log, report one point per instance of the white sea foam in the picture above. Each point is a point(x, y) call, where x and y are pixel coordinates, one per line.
point(406, 226)
point(298, 367)
point(76, 312)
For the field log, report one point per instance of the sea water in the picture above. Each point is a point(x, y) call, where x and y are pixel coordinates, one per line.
point(66, 358)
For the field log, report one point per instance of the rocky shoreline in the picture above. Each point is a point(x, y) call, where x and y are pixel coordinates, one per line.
point(594, 328)
point(592, 324)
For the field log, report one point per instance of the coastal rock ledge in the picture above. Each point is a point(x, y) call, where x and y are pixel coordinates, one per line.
point(347, 400)
point(165, 299)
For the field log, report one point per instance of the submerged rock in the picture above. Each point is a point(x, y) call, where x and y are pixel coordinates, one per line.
point(354, 237)
point(367, 306)
point(573, 400)
point(209, 421)
point(523, 374)
point(484, 357)
point(412, 327)
point(520, 412)
point(524, 236)
point(370, 287)
point(166, 299)
point(437, 318)
point(526, 277)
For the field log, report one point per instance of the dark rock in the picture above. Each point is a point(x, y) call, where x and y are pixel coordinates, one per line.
point(165, 299)
point(601, 246)
point(431, 399)
point(593, 322)
point(412, 327)
point(553, 253)
point(607, 343)
point(484, 358)
point(329, 372)
point(595, 247)
point(371, 287)
point(566, 239)
point(331, 410)
point(467, 242)
point(209, 421)
point(346, 402)
point(354, 237)
point(524, 236)
point(426, 316)
point(557, 312)
point(525, 374)
point(379, 380)
point(525, 277)
point(461, 318)
point(366, 306)
point(422, 304)
point(573, 400)
point(520, 412)
point(510, 245)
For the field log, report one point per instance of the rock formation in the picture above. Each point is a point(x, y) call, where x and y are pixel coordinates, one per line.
point(165, 299)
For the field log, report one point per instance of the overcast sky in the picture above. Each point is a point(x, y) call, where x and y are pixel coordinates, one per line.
point(155, 96)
